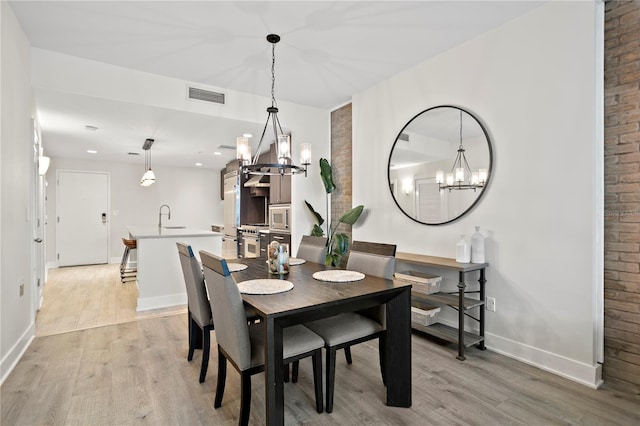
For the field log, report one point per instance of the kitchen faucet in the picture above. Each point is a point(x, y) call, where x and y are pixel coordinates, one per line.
point(160, 214)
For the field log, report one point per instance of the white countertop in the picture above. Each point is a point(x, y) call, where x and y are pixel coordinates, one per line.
point(137, 232)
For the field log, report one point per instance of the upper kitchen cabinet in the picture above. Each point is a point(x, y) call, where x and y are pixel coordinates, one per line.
point(280, 186)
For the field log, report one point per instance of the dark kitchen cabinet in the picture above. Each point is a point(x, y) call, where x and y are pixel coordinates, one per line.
point(280, 186)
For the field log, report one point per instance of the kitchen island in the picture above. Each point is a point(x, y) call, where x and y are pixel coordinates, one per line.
point(159, 277)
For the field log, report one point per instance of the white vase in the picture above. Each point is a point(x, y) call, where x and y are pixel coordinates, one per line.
point(477, 247)
point(463, 251)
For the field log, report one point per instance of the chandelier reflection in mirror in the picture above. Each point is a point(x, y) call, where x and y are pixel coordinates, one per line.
point(461, 177)
point(284, 165)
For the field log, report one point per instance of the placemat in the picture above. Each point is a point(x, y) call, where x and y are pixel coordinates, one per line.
point(264, 286)
point(293, 261)
point(338, 276)
point(236, 267)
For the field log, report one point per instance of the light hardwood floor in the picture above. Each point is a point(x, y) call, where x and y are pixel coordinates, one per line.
point(136, 373)
point(80, 297)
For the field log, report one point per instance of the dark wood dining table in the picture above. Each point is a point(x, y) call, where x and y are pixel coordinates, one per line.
point(311, 299)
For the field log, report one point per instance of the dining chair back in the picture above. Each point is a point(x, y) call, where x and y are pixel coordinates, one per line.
point(373, 259)
point(242, 343)
point(312, 249)
point(200, 320)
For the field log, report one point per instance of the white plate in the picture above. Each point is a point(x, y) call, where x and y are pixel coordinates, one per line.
point(338, 276)
point(264, 286)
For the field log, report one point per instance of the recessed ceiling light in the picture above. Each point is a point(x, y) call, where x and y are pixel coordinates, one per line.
point(198, 164)
point(217, 153)
point(92, 151)
point(247, 135)
point(90, 128)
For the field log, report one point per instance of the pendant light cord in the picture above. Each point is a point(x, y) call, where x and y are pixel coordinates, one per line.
point(273, 75)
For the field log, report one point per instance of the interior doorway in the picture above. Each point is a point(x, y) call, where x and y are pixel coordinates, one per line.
point(82, 219)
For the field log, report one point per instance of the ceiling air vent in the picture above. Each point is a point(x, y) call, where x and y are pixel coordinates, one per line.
point(205, 95)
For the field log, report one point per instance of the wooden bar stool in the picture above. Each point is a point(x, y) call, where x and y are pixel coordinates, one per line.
point(127, 273)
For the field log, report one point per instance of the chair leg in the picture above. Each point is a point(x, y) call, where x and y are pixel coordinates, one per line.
point(317, 377)
point(245, 400)
point(330, 379)
point(294, 371)
point(347, 354)
point(222, 378)
point(285, 373)
point(192, 345)
point(383, 358)
point(206, 340)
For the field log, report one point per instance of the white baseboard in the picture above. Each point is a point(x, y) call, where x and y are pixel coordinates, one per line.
point(14, 355)
point(585, 374)
point(52, 265)
point(158, 302)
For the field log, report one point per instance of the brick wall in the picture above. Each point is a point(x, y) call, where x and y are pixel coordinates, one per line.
point(341, 200)
point(622, 195)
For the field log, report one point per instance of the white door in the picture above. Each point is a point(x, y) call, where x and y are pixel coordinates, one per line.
point(82, 225)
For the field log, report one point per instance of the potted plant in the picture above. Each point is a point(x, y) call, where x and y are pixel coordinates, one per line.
point(338, 242)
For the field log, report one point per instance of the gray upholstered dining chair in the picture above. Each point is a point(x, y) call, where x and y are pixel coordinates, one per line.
point(243, 344)
point(345, 330)
point(199, 311)
point(312, 249)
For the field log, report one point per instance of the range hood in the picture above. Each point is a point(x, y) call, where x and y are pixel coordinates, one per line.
point(258, 181)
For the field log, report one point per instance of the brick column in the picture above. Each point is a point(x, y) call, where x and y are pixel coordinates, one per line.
point(622, 195)
point(341, 142)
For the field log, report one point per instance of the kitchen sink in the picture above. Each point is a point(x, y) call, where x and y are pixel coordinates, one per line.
point(174, 227)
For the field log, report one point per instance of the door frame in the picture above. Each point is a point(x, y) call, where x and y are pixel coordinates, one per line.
point(108, 208)
point(37, 218)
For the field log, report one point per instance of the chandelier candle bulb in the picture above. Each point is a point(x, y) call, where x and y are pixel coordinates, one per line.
point(475, 179)
point(284, 151)
point(460, 175)
point(449, 179)
point(243, 150)
point(482, 175)
point(305, 153)
point(439, 177)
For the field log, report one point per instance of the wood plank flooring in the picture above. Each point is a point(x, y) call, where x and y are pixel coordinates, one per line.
point(136, 372)
point(80, 297)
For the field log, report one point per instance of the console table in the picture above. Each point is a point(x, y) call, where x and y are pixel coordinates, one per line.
point(457, 301)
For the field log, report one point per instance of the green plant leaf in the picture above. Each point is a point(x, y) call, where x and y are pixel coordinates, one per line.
point(319, 218)
point(327, 175)
point(352, 215)
point(317, 231)
point(341, 244)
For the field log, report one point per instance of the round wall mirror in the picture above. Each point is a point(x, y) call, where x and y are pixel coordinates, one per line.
point(440, 165)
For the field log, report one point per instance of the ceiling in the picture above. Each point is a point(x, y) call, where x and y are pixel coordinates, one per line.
point(329, 51)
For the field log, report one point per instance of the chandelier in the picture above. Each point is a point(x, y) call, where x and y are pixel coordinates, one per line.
point(284, 165)
point(148, 178)
point(461, 176)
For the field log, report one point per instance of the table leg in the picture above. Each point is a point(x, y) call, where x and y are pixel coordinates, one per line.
point(461, 287)
point(483, 309)
point(398, 350)
point(274, 386)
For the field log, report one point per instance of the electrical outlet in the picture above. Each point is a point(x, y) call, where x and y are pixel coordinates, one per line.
point(21, 289)
point(491, 304)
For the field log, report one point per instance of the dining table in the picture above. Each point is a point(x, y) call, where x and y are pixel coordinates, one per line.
point(311, 299)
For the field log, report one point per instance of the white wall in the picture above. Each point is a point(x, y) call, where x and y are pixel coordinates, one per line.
point(533, 83)
point(192, 193)
point(16, 313)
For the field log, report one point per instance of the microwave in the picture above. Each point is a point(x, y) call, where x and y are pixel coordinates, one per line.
point(280, 217)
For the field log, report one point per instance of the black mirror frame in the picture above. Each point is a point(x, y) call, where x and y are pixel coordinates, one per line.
point(489, 174)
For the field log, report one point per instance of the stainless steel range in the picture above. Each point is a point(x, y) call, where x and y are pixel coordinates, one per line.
point(249, 236)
